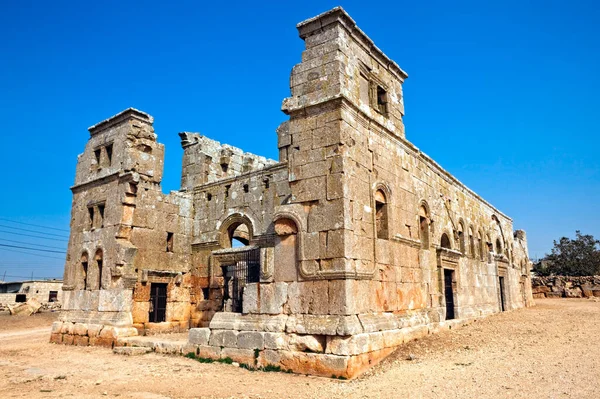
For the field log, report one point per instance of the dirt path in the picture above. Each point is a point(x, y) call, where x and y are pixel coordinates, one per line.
point(549, 351)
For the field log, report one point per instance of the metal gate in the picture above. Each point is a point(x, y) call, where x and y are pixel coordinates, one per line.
point(158, 303)
point(244, 269)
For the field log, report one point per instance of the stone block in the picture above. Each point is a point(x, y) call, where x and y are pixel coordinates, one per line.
point(313, 324)
point(230, 338)
point(378, 322)
point(250, 298)
point(412, 333)
point(269, 357)
point(272, 297)
point(275, 340)
point(167, 347)
point(199, 336)
point(80, 340)
point(56, 327)
point(209, 352)
point(306, 343)
point(216, 337)
point(246, 356)
point(80, 329)
point(178, 311)
point(56, 338)
point(349, 325)
point(250, 340)
point(68, 339)
point(131, 351)
point(94, 329)
point(115, 300)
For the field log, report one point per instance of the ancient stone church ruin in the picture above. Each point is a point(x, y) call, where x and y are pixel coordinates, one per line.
point(352, 243)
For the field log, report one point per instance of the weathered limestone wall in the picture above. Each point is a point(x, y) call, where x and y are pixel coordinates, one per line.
point(206, 161)
point(120, 225)
point(566, 287)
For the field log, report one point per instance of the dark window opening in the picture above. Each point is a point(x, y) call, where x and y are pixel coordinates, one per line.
point(98, 155)
point(109, 149)
point(208, 196)
point(498, 246)
point(224, 167)
point(381, 215)
point(91, 219)
point(101, 215)
point(381, 100)
point(99, 262)
point(84, 267)
point(53, 296)
point(20, 298)
point(227, 188)
point(205, 293)
point(170, 242)
point(424, 226)
point(246, 188)
point(266, 182)
point(445, 241)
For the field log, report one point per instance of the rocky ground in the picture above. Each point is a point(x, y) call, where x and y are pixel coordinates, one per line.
point(549, 351)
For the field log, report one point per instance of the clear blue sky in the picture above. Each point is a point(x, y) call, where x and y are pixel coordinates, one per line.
point(504, 95)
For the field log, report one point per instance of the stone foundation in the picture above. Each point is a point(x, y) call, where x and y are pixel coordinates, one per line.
point(81, 334)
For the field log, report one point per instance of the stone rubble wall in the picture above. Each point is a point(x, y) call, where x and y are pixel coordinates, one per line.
point(565, 287)
point(84, 334)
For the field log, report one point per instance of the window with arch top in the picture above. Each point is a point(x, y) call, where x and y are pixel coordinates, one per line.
point(424, 226)
point(381, 215)
point(445, 241)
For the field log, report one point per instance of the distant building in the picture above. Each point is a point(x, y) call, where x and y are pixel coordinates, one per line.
point(45, 291)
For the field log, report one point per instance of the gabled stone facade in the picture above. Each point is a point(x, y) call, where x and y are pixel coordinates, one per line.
point(353, 243)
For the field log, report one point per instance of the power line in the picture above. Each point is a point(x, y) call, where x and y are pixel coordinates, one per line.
point(29, 253)
point(29, 243)
point(31, 235)
point(31, 249)
point(34, 225)
point(33, 231)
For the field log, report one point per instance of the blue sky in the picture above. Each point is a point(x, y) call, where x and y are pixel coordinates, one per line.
point(504, 95)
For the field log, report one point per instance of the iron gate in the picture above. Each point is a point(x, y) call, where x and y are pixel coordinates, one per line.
point(244, 269)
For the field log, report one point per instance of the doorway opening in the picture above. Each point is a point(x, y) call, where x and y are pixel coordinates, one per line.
point(449, 293)
point(502, 297)
point(158, 302)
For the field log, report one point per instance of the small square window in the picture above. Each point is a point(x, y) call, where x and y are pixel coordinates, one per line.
point(381, 100)
point(101, 215)
point(91, 217)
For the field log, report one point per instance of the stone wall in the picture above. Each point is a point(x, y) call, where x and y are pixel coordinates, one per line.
point(566, 287)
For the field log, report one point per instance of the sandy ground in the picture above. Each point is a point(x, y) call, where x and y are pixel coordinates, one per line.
point(549, 351)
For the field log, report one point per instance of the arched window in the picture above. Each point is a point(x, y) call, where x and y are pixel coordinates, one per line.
point(424, 226)
point(83, 271)
point(240, 236)
point(471, 242)
point(498, 246)
point(381, 215)
point(461, 237)
point(98, 259)
point(445, 241)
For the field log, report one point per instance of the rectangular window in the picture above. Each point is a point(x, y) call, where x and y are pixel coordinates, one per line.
point(53, 296)
point(381, 100)
point(169, 242)
point(101, 215)
point(91, 217)
point(98, 156)
point(109, 149)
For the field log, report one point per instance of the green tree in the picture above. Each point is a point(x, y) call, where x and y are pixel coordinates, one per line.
point(578, 257)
